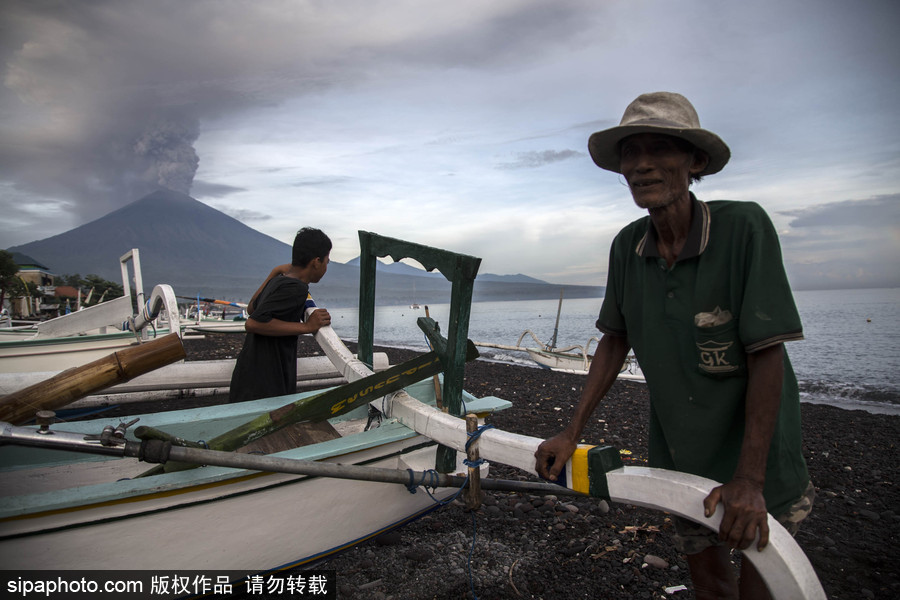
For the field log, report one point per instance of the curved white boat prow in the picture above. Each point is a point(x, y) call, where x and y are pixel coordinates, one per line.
point(782, 563)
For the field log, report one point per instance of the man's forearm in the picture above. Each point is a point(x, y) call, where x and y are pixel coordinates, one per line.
point(764, 381)
point(605, 366)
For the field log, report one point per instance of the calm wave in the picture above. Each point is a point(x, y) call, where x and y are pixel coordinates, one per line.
point(850, 357)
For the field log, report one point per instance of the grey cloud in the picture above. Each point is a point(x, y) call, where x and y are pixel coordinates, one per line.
point(879, 211)
point(206, 189)
point(243, 215)
point(512, 33)
point(535, 159)
point(844, 244)
point(321, 181)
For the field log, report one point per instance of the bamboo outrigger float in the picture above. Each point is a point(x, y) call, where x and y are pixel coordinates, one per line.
point(310, 513)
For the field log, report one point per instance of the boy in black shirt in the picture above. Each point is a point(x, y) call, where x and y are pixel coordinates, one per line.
point(267, 364)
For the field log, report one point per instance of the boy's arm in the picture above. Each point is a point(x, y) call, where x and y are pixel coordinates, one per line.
point(280, 269)
point(276, 327)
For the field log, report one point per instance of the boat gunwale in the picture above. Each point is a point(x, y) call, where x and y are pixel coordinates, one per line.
point(74, 339)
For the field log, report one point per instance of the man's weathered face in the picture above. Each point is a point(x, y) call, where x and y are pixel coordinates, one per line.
point(657, 169)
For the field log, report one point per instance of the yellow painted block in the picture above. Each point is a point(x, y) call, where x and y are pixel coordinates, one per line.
point(580, 480)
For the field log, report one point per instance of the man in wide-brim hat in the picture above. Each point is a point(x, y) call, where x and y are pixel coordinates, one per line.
point(699, 292)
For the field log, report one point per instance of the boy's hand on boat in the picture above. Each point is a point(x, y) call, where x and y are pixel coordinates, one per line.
point(552, 454)
point(318, 319)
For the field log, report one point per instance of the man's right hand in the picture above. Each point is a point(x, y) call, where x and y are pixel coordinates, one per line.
point(552, 455)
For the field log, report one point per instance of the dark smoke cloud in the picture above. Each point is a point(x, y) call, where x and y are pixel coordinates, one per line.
point(166, 150)
point(101, 102)
point(77, 126)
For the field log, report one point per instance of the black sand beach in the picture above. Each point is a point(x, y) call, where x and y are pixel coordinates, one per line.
point(563, 548)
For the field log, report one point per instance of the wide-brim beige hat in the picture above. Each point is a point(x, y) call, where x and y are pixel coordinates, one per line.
point(659, 112)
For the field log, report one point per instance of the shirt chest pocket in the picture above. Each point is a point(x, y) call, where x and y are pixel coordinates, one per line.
point(719, 352)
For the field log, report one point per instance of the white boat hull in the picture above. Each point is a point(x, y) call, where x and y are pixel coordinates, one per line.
point(559, 361)
point(572, 363)
point(260, 524)
point(214, 326)
point(186, 378)
point(78, 514)
point(58, 354)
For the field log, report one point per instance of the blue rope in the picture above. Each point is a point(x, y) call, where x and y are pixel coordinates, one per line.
point(431, 476)
point(473, 436)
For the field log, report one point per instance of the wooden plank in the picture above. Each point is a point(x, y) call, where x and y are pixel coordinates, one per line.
point(292, 436)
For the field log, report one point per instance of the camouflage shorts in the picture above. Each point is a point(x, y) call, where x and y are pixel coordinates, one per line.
point(691, 537)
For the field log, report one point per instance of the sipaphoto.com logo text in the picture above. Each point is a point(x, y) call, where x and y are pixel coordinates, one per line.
point(61, 585)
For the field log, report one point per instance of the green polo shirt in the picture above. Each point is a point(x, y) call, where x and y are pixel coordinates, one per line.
point(691, 327)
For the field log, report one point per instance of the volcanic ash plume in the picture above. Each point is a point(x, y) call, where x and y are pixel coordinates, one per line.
point(165, 151)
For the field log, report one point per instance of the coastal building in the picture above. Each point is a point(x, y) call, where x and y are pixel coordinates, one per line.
point(33, 272)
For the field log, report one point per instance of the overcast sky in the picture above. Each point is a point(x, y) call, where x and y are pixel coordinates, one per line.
point(459, 124)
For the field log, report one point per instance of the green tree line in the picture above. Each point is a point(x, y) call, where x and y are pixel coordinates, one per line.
point(86, 283)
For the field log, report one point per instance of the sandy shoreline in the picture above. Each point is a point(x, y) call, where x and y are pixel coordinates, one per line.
point(529, 547)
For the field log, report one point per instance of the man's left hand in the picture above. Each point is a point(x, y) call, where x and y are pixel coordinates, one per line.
point(745, 512)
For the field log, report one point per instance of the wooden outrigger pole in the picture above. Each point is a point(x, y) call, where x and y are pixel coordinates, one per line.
point(161, 451)
point(77, 382)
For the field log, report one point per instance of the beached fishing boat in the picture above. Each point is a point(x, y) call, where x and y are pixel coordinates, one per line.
point(62, 512)
point(94, 332)
point(54, 502)
point(569, 359)
point(577, 359)
point(197, 320)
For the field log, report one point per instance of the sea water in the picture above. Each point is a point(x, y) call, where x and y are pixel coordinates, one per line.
point(850, 356)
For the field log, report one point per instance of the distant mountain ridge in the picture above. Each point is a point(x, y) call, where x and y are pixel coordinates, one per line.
point(400, 268)
point(200, 250)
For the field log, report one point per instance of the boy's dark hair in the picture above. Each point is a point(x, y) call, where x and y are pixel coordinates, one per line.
point(309, 243)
